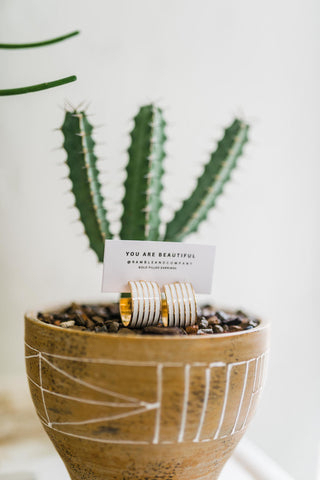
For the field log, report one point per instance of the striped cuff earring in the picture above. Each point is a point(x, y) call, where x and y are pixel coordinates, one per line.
point(146, 307)
point(181, 304)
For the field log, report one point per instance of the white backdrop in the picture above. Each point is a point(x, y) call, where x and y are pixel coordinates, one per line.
point(204, 62)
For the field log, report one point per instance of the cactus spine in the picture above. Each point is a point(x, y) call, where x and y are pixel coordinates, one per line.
point(143, 186)
point(84, 175)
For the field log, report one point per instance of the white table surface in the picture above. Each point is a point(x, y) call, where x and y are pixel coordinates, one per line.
point(21, 463)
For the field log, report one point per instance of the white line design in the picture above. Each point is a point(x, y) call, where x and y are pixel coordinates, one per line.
point(43, 420)
point(248, 411)
point(226, 393)
point(31, 348)
point(205, 404)
point(83, 400)
point(93, 387)
point(159, 400)
point(255, 373)
point(262, 365)
point(254, 390)
point(265, 369)
point(41, 388)
point(107, 419)
point(185, 402)
point(98, 440)
point(241, 399)
point(138, 407)
point(126, 363)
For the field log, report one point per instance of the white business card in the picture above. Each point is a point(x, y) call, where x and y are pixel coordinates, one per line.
point(161, 262)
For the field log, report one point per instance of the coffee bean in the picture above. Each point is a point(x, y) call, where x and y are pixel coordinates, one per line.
point(106, 318)
point(203, 322)
point(235, 328)
point(47, 318)
point(101, 329)
point(217, 329)
point(113, 327)
point(201, 332)
point(253, 322)
point(223, 316)
point(97, 319)
point(68, 324)
point(81, 318)
point(244, 322)
point(192, 329)
point(90, 324)
point(207, 330)
point(233, 321)
point(214, 320)
point(65, 317)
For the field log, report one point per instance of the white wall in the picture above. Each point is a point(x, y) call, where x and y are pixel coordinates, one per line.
point(204, 61)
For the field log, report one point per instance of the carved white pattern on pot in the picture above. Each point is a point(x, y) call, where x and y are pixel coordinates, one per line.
point(137, 406)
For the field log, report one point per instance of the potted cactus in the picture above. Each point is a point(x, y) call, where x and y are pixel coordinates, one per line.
point(132, 406)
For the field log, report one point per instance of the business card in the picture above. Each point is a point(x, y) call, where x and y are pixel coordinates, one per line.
point(161, 262)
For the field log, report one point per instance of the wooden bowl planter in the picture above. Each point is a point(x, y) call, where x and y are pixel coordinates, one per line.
point(144, 407)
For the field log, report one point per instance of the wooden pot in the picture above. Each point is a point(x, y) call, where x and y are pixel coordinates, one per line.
point(144, 407)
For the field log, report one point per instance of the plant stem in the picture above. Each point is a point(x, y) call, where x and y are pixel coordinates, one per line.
point(38, 87)
point(39, 44)
point(84, 175)
point(210, 184)
point(142, 200)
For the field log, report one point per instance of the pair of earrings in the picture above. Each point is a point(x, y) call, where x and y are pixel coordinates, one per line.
point(177, 306)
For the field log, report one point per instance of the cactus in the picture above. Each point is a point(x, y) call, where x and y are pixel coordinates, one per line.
point(142, 199)
point(84, 175)
point(40, 86)
point(210, 184)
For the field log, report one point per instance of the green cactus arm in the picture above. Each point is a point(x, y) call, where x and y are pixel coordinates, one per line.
point(39, 44)
point(84, 176)
point(143, 185)
point(38, 87)
point(210, 184)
